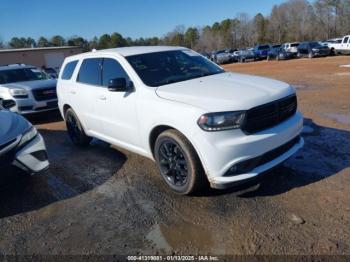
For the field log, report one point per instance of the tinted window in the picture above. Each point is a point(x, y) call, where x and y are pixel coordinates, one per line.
point(161, 68)
point(294, 45)
point(90, 71)
point(315, 44)
point(263, 47)
point(112, 69)
point(345, 40)
point(21, 75)
point(68, 70)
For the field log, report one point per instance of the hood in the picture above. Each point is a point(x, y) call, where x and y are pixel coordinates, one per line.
point(30, 85)
point(226, 92)
point(12, 125)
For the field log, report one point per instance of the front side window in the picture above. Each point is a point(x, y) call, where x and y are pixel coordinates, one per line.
point(111, 70)
point(162, 68)
point(68, 70)
point(345, 40)
point(90, 71)
point(21, 75)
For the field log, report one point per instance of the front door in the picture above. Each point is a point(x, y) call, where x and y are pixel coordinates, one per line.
point(117, 110)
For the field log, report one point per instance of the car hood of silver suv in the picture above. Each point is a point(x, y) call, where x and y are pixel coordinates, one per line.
point(30, 85)
point(12, 125)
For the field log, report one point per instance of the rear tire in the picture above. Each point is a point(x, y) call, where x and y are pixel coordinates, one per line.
point(178, 163)
point(75, 129)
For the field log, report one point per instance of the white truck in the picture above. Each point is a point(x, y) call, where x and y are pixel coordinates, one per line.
point(341, 48)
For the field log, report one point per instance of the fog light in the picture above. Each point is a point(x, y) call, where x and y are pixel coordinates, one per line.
point(243, 167)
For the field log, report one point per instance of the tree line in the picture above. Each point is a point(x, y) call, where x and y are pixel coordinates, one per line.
point(293, 20)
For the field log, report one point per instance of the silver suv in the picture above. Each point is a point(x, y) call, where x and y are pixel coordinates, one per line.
point(33, 90)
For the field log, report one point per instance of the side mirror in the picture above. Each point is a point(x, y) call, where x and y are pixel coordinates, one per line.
point(120, 85)
point(7, 104)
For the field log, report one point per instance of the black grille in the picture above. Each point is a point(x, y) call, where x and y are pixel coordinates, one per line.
point(45, 94)
point(268, 115)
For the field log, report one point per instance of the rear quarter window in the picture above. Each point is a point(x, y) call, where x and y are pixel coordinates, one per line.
point(68, 70)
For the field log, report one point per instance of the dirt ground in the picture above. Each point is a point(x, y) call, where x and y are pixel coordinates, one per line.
point(102, 200)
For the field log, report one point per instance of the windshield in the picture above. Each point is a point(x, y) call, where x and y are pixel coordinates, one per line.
point(161, 68)
point(263, 47)
point(294, 45)
point(21, 75)
point(315, 44)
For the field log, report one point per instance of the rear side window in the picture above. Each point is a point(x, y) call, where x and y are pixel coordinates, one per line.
point(90, 71)
point(111, 70)
point(68, 70)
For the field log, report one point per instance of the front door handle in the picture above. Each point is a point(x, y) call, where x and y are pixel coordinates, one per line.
point(73, 92)
point(102, 97)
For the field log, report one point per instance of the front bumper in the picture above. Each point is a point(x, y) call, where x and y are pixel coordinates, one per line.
point(25, 106)
point(219, 151)
point(31, 106)
point(32, 158)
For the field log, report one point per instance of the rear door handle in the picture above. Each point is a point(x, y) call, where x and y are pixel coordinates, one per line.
point(73, 92)
point(102, 97)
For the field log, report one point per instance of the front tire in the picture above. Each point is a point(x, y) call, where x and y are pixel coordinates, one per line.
point(178, 163)
point(75, 129)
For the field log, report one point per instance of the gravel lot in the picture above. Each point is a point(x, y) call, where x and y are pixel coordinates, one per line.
point(103, 200)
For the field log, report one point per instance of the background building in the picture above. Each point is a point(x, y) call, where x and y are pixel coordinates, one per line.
point(50, 57)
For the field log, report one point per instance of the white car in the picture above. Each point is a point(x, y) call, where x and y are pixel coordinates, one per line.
point(21, 145)
point(341, 47)
point(291, 47)
point(170, 104)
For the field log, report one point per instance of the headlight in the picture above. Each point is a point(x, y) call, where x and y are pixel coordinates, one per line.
point(28, 135)
point(315, 49)
point(19, 93)
point(221, 121)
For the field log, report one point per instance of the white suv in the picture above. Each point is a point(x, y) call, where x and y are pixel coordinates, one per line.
point(199, 123)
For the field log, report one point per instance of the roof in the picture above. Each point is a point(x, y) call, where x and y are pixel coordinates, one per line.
point(38, 49)
point(136, 50)
point(14, 66)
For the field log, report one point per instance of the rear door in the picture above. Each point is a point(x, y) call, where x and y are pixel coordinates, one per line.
point(345, 44)
point(88, 89)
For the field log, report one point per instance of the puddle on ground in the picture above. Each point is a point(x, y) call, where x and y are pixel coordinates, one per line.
point(180, 237)
point(341, 118)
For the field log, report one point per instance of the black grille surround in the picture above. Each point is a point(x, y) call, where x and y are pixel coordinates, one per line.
point(43, 94)
point(268, 115)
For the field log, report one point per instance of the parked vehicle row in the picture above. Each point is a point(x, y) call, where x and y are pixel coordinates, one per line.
point(285, 51)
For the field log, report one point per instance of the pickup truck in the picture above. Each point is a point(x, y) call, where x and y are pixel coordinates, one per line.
point(341, 48)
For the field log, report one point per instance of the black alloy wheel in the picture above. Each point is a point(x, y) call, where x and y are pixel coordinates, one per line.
point(75, 129)
point(173, 164)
